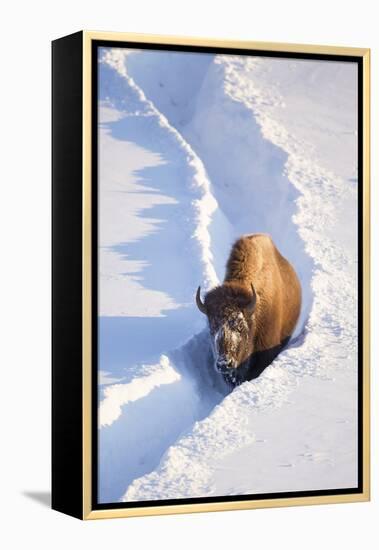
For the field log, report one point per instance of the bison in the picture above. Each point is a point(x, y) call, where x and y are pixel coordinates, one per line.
point(252, 315)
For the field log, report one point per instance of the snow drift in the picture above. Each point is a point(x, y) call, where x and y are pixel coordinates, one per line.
point(196, 150)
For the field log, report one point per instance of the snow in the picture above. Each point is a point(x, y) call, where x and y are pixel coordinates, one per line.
point(195, 150)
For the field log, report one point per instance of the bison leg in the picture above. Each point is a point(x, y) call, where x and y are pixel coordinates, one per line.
point(262, 359)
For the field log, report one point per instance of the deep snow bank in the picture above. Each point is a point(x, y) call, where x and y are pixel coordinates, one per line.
point(155, 208)
point(263, 176)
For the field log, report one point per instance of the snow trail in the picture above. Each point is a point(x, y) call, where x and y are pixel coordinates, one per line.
point(246, 168)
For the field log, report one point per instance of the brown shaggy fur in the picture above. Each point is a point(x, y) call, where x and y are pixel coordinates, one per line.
point(255, 260)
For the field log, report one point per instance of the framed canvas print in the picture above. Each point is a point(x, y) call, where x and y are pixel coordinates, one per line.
point(210, 275)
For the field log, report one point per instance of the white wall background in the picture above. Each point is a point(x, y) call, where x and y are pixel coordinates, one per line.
point(27, 29)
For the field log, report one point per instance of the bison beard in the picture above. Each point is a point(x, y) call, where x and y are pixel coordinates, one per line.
point(252, 315)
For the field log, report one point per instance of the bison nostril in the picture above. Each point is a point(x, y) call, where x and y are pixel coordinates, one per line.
point(224, 366)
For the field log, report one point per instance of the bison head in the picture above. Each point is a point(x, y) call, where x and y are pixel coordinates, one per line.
point(229, 309)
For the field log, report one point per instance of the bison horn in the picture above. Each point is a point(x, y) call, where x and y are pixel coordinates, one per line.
point(253, 301)
point(199, 303)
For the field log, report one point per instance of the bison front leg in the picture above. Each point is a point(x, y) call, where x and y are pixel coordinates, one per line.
point(262, 359)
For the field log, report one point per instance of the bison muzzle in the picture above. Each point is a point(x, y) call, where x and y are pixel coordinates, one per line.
point(253, 314)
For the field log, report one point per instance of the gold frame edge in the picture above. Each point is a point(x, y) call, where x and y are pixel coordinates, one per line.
point(225, 43)
point(366, 269)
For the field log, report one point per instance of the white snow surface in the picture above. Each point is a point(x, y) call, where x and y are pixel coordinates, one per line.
point(196, 150)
